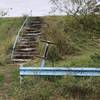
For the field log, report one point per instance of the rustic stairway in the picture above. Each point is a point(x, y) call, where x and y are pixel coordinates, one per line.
point(26, 47)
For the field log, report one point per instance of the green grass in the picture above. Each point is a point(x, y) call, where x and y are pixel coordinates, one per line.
point(48, 88)
point(8, 30)
point(1, 79)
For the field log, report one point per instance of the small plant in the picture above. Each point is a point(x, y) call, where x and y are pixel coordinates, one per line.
point(95, 57)
point(1, 79)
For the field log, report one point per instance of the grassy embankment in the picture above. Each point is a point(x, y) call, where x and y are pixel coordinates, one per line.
point(77, 45)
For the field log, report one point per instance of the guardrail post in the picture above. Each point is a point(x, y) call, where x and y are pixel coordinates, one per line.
point(45, 55)
point(21, 77)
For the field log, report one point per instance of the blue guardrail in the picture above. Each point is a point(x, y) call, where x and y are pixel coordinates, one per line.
point(58, 71)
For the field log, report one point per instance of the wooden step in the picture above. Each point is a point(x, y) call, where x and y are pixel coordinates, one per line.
point(26, 46)
point(20, 60)
point(27, 37)
point(36, 19)
point(36, 24)
point(31, 34)
point(35, 27)
point(23, 57)
point(28, 28)
point(32, 31)
point(31, 40)
point(25, 50)
point(26, 53)
point(28, 42)
point(31, 45)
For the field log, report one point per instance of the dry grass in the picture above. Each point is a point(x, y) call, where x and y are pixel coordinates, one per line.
point(46, 88)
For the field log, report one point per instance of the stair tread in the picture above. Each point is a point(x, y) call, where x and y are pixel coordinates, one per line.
point(27, 49)
point(28, 43)
point(25, 37)
point(20, 59)
point(32, 31)
point(31, 45)
point(26, 55)
point(30, 52)
point(23, 55)
point(26, 46)
point(31, 34)
point(35, 24)
point(22, 42)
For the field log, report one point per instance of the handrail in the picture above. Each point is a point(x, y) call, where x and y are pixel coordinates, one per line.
point(18, 36)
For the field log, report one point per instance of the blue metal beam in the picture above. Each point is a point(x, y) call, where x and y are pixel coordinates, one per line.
point(58, 71)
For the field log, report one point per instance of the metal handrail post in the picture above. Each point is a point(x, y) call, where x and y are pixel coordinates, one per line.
point(45, 55)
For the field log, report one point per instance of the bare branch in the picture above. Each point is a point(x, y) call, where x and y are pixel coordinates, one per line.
point(76, 7)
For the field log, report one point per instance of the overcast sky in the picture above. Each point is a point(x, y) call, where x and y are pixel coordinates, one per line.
point(21, 7)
